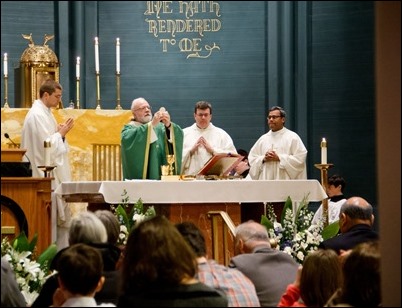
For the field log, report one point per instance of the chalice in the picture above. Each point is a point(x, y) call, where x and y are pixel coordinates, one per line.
point(170, 160)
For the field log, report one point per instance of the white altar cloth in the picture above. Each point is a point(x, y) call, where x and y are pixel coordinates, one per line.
point(198, 191)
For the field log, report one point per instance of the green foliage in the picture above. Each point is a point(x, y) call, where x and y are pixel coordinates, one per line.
point(31, 272)
point(331, 230)
point(130, 214)
point(21, 243)
point(294, 234)
point(288, 206)
point(46, 257)
point(266, 222)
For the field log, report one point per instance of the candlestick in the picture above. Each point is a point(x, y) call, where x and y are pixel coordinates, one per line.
point(96, 55)
point(47, 146)
point(5, 64)
point(77, 68)
point(98, 106)
point(78, 92)
point(118, 91)
point(117, 56)
point(324, 183)
point(6, 92)
point(323, 151)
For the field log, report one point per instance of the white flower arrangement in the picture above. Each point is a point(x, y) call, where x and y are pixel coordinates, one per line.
point(295, 235)
point(31, 273)
point(129, 215)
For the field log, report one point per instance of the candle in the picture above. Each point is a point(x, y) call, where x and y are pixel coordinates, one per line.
point(47, 146)
point(77, 68)
point(117, 56)
point(323, 151)
point(5, 65)
point(96, 55)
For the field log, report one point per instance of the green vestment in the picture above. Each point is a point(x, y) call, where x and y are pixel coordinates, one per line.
point(142, 159)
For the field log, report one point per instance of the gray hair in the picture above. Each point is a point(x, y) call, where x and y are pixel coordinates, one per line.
point(136, 101)
point(111, 223)
point(253, 231)
point(87, 228)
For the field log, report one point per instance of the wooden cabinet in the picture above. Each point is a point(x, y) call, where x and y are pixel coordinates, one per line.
point(33, 197)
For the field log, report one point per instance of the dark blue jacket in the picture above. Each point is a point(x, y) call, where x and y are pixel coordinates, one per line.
point(357, 234)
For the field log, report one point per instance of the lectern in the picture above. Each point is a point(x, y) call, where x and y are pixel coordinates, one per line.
point(26, 203)
point(12, 164)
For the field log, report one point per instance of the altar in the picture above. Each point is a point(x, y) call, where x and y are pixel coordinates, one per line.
point(192, 200)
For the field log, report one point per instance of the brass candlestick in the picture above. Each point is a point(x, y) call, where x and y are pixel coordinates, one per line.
point(324, 183)
point(47, 170)
point(78, 92)
point(6, 92)
point(118, 107)
point(98, 91)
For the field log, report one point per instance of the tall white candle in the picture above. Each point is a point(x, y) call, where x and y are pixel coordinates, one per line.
point(118, 56)
point(47, 146)
point(5, 64)
point(96, 55)
point(77, 68)
point(323, 151)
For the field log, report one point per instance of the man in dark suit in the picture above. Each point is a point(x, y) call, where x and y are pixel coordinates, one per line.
point(270, 270)
point(355, 223)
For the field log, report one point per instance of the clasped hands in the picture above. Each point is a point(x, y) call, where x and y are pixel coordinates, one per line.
point(271, 156)
point(64, 128)
point(202, 142)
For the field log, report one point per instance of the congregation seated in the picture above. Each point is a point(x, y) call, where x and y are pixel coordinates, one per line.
point(239, 289)
point(269, 269)
point(80, 277)
point(361, 278)
point(87, 228)
point(159, 268)
point(316, 281)
point(356, 221)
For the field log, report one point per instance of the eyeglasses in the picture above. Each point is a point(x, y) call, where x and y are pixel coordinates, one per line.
point(273, 117)
point(203, 115)
point(143, 108)
point(56, 95)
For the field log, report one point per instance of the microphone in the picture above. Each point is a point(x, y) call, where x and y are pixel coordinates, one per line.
point(8, 137)
point(17, 146)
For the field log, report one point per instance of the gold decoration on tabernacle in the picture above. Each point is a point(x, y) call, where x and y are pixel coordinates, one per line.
point(37, 64)
point(39, 54)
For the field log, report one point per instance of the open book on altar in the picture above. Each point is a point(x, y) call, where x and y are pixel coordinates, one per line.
point(221, 164)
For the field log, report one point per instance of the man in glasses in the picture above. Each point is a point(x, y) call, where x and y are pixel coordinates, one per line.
point(147, 140)
point(279, 154)
point(203, 139)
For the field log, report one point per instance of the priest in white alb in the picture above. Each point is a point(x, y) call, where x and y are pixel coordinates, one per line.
point(280, 153)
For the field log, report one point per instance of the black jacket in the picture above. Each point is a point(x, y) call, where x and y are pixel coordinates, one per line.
point(357, 234)
point(111, 288)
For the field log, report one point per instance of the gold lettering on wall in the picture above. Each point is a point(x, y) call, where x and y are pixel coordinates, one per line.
point(198, 18)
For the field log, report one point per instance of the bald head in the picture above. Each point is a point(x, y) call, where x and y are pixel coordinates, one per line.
point(358, 201)
point(249, 235)
point(355, 210)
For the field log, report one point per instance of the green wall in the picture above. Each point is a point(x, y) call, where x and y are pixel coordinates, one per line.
point(314, 58)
